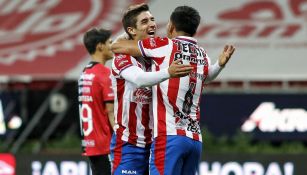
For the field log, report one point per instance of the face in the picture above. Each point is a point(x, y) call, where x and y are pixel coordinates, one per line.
point(145, 26)
point(106, 51)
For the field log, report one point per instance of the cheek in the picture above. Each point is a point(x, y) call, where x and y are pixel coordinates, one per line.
point(111, 53)
point(142, 29)
point(141, 33)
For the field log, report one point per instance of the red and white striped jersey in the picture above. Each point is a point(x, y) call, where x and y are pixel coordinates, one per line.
point(176, 101)
point(95, 90)
point(133, 105)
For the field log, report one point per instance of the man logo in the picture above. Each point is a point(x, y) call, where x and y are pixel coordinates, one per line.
point(129, 172)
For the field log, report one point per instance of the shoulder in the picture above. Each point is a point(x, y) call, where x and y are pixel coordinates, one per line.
point(120, 56)
point(122, 61)
point(156, 42)
point(103, 69)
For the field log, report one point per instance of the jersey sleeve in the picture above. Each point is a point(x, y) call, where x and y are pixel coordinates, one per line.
point(155, 47)
point(121, 62)
point(213, 69)
point(140, 78)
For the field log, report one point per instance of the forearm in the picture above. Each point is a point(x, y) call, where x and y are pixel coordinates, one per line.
point(141, 78)
point(126, 47)
point(110, 111)
point(111, 118)
point(213, 72)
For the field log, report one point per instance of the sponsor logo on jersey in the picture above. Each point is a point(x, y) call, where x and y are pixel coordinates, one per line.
point(88, 143)
point(142, 95)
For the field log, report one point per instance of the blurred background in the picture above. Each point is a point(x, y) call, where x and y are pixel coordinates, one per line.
point(253, 116)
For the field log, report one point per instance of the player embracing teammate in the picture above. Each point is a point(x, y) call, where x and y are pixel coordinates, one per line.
point(131, 81)
point(177, 144)
point(157, 84)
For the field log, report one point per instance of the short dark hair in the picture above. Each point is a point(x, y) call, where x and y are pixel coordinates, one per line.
point(129, 17)
point(95, 36)
point(185, 19)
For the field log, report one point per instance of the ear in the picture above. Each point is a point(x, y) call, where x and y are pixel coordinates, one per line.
point(99, 47)
point(171, 27)
point(131, 31)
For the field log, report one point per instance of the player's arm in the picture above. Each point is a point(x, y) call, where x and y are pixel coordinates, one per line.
point(107, 96)
point(150, 47)
point(216, 68)
point(213, 71)
point(110, 111)
point(126, 47)
point(141, 78)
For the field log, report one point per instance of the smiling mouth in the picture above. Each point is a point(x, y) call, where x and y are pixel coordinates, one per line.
point(151, 33)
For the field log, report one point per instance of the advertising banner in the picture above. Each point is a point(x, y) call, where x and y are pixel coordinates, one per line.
point(7, 164)
point(52, 164)
point(264, 116)
point(253, 164)
point(212, 164)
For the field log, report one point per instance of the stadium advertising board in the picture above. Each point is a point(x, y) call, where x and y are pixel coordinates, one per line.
point(7, 164)
point(253, 164)
point(265, 116)
point(52, 165)
point(213, 164)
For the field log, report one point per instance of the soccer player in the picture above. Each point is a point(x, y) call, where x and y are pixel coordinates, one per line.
point(177, 146)
point(96, 99)
point(131, 142)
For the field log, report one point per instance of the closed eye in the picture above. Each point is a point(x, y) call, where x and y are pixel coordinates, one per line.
point(144, 21)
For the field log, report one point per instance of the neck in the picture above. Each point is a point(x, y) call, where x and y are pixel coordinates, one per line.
point(137, 38)
point(180, 33)
point(98, 58)
point(134, 38)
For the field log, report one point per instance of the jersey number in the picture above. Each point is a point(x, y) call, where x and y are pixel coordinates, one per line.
point(188, 99)
point(86, 117)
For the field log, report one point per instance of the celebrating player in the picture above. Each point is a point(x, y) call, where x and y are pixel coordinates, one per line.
point(133, 110)
point(177, 146)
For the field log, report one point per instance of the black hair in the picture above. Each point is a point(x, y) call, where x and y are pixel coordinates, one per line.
point(185, 19)
point(95, 36)
point(129, 17)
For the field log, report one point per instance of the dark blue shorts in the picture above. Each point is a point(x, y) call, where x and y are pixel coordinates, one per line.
point(128, 159)
point(175, 155)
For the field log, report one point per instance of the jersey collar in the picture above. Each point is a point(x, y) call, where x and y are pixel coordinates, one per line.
point(187, 39)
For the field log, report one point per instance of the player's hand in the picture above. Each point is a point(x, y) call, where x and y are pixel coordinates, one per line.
point(226, 54)
point(177, 69)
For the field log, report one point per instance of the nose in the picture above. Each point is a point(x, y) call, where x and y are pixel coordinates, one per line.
point(152, 24)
